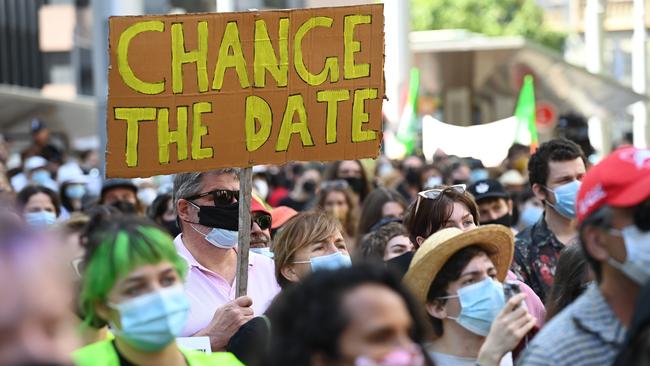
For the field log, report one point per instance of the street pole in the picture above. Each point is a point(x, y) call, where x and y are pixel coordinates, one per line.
point(640, 75)
point(599, 127)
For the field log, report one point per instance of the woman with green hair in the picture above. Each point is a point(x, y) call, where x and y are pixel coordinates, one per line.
point(133, 281)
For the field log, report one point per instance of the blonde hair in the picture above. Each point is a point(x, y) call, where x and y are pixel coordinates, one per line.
point(300, 231)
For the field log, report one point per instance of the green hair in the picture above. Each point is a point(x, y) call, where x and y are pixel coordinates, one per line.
point(116, 250)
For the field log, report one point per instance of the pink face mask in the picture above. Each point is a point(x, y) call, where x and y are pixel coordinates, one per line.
point(397, 357)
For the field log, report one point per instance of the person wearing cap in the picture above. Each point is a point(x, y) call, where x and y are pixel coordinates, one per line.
point(208, 214)
point(280, 215)
point(458, 277)
point(613, 212)
point(121, 193)
point(73, 189)
point(261, 230)
point(555, 171)
point(494, 203)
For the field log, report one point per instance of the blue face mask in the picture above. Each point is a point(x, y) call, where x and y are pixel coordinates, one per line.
point(152, 321)
point(40, 219)
point(41, 177)
point(478, 174)
point(265, 251)
point(480, 304)
point(75, 191)
point(637, 260)
point(328, 262)
point(530, 215)
point(565, 199)
point(220, 238)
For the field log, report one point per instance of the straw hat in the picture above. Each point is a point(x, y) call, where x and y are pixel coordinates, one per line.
point(496, 240)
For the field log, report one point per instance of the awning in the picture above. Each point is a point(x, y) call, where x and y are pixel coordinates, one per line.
point(74, 117)
point(493, 66)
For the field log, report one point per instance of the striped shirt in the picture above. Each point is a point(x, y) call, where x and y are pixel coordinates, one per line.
point(587, 332)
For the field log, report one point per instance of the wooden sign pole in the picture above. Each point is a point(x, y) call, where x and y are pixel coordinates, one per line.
point(245, 188)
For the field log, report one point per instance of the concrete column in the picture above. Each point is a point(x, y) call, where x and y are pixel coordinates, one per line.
point(640, 74)
point(599, 127)
point(396, 69)
point(102, 9)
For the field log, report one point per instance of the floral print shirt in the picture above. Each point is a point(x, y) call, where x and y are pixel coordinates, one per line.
point(537, 251)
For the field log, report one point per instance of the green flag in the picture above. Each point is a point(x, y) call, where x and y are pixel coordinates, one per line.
point(407, 123)
point(525, 113)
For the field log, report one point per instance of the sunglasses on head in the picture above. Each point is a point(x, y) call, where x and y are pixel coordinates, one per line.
point(221, 197)
point(262, 219)
point(432, 194)
point(335, 184)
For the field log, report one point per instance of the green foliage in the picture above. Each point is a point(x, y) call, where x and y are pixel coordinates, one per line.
point(490, 17)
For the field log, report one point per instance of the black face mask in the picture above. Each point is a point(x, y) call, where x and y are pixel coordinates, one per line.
point(309, 186)
point(356, 184)
point(125, 207)
point(172, 227)
point(220, 217)
point(505, 220)
point(412, 177)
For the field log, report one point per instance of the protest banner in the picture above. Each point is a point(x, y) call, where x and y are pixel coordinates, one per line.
point(196, 92)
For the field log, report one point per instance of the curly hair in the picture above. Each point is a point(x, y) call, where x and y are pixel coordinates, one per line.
point(554, 150)
point(309, 318)
point(373, 245)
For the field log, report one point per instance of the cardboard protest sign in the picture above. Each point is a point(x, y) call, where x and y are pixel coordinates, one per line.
point(203, 91)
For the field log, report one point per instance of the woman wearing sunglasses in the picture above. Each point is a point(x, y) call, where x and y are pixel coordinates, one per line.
point(133, 281)
point(440, 208)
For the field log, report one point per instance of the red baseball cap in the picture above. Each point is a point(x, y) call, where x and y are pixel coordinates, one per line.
point(281, 215)
point(622, 179)
point(257, 206)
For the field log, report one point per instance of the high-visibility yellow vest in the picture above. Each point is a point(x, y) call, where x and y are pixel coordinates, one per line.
point(104, 354)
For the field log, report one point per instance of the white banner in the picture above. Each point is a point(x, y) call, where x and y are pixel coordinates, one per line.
point(488, 142)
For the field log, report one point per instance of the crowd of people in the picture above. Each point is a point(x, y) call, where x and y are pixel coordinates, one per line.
point(544, 260)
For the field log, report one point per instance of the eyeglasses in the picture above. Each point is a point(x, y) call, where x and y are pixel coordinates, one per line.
point(432, 194)
point(221, 197)
point(262, 219)
point(334, 184)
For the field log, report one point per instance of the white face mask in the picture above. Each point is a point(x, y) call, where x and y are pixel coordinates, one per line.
point(262, 187)
point(147, 195)
point(637, 260)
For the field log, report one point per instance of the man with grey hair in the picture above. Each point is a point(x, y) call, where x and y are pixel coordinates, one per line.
point(613, 210)
point(208, 215)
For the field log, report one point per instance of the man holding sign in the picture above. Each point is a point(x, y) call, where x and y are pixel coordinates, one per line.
point(198, 92)
point(203, 91)
point(208, 214)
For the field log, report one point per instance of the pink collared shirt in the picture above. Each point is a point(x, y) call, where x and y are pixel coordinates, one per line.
point(207, 291)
